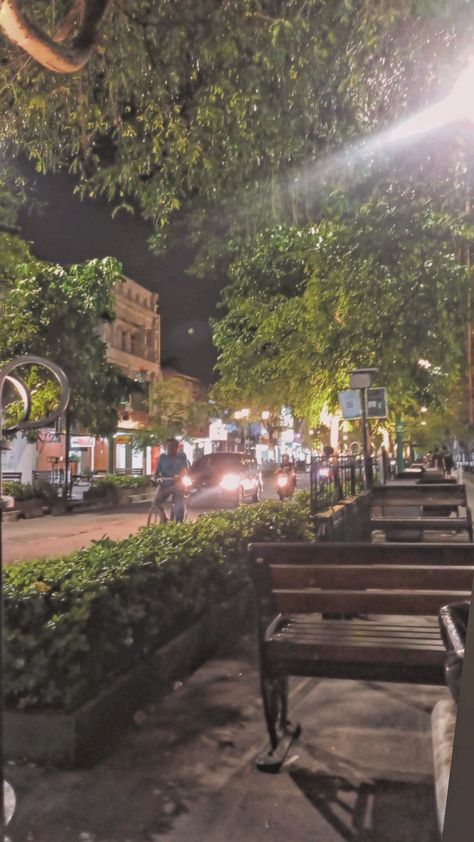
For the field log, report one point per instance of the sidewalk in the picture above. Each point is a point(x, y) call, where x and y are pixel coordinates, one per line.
point(360, 772)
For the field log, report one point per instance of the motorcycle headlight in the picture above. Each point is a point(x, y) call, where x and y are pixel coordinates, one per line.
point(187, 481)
point(282, 481)
point(229, 482)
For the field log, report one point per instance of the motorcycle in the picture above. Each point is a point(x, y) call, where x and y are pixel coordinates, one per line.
point(286, 484)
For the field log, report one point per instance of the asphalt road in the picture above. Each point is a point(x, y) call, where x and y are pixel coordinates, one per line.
point(57, 535)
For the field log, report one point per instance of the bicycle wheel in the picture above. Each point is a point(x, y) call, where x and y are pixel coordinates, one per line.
point(156, 516)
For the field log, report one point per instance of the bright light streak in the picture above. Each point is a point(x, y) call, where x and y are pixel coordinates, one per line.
point(458, 106)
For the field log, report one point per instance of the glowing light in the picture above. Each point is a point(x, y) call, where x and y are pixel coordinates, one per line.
point(230, 482)
point(265, 415)
point(423, 409)
point(458, 106)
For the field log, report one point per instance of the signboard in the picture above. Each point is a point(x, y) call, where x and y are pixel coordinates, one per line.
point(82, 441)
point(349, 400)
point(217, 430)
point(377, 405)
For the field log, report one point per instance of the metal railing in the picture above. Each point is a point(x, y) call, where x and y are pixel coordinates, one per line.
point(335, 479)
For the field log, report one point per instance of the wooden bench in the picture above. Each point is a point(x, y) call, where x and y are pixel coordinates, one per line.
point(391, 586)
point(11, 476)
point(435, 504)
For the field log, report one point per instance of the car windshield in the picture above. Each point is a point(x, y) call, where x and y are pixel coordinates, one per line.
point(219, 461)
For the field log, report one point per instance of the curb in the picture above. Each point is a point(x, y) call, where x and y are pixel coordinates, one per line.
point(80, 737)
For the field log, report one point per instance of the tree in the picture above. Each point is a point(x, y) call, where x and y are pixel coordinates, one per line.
point(381, 285)
point(172, 412)
point(55, 312)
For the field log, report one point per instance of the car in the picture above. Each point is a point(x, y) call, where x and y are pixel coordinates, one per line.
point(229, 478)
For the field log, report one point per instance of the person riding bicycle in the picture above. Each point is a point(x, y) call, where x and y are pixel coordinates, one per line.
point(171, 466)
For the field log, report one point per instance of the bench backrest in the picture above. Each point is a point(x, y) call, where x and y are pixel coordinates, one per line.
point(420, 494)
point(306, 581)
point(338, 552)
point(11, 476)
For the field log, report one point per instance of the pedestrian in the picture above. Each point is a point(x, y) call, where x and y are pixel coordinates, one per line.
point(448, 461)
point(438, 461)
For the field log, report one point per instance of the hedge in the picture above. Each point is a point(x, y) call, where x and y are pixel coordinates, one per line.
point(109, 485)
point(71, 623)
point(38, 489)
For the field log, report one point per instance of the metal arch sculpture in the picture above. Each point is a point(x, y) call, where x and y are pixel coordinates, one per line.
point(53, 52)
point(20, 387)
point(7, 795)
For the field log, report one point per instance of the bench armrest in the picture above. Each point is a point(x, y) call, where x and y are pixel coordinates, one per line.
point(453, 625)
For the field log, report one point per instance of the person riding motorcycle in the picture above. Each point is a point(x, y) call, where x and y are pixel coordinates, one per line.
point(171, 467)
point(286, 477)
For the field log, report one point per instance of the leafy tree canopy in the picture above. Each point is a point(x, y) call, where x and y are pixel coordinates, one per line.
point(220, 113)
point(382, 286)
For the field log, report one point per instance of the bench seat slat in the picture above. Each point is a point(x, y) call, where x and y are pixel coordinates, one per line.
point(370, 602)
point(378, 575)
point(333, 635)
point(347, 654)
point(358, 639)
point(335, 641)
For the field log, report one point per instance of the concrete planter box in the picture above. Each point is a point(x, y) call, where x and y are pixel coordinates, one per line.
point(78, 737)
point(119, 496)
point(36, 507)
point(347, 521)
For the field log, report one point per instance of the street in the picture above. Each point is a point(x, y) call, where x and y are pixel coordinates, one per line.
point(53, 536)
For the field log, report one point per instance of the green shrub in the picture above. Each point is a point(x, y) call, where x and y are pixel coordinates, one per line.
point(73, 622)
point(39, 489)
point(108, 485)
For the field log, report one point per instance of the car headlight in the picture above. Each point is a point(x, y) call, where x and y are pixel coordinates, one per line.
point(187, 481)
point(230, 482)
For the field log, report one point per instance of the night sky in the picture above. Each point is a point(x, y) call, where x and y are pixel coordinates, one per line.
point(68, 230)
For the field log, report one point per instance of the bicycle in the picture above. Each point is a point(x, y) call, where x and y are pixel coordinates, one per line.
point(158, 514)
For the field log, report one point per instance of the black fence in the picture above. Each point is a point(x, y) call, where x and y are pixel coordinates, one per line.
point(336, 479)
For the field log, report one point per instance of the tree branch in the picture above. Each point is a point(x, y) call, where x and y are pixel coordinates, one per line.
point(49, 51)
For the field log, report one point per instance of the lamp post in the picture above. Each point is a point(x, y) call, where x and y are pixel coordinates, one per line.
point(361, 379)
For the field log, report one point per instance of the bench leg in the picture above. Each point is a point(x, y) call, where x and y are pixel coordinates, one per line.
point(281, 732)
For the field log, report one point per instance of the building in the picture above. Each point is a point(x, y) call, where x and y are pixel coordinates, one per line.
point(133, 344)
